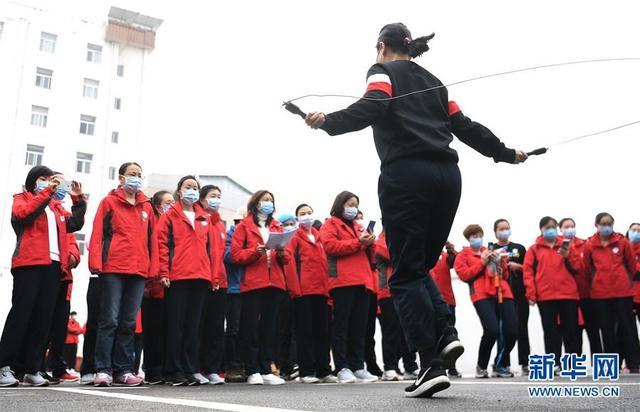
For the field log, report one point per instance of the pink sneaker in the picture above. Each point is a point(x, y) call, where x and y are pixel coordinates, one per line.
point(128, 379)
point(103, 379)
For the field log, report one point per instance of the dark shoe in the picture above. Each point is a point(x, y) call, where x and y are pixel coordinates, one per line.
point(153, 379)
point(501, 372)
point(375, 371)
point(51, 379)
point(449, 347)
point(453, 373)
point(431, 380)
point(178, 379)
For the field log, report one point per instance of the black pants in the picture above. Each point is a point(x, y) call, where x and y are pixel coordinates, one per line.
point(258, 328)
point(285, 351)
point(91, 327)
point(185, 306)
point(312, 335)
point(418, 200)
point(350, 312)
point(70, 354)
point(498, 323)
point(567, 331)
point(370, 341)
point(58, 333)
point(394, 346)
point(590, 326)
point(522, 308)
point(153, 325)
point(26, 329)
point(618, 312)
point(212, 351)
point(232, 331)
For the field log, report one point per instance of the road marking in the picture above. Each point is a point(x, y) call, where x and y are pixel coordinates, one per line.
point(219, 406)
point(551, 383)
point(88, 388)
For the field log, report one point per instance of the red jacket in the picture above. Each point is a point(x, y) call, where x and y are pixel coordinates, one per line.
point(29, 222)
point(350, 261)
point(441, 274)
point(73, 331)
point(186, 251)
point(261, 271)
point(470, 269)
point(220, 233)
point(123, 240)
point(611, 267)
point(583, 279)
point(311, 268)
point(548, 275)
point(384, 268)
point(73, 250)
point(636, 276)
point(153, 288)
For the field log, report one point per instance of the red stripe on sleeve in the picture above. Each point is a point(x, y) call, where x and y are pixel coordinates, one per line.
point(382, 86)
point(453, 108)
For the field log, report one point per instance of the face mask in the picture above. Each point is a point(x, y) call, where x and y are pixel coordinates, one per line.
point(190, 196)
point(360, 222)
point(288, 228)
point(475, 243)
point(634, 236)
point(266, 207)
point(605, 230)
point(504, 234)
point(59, 195)
point(569, 232)
point(350, 213)
point(214, 203)
point(166, 207)
point(132, 184)
point(306, 220)
point(40, 186)
point(550, 233)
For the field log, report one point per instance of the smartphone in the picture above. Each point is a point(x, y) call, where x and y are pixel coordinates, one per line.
point(66, 186)
point(565, 244)
point(371, 226)
point(491, 246)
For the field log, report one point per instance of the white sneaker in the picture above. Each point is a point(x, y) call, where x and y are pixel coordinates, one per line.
point(329, 379)
point(87, 379)
point(346, 376)
point(35, 380)
point(390, 376)
point(7, 378)
point(200, 379)
point(410, 376)
point(309, 379)
point(363, 376)
point(272, 379)
point(215, 379)
point(255, 379)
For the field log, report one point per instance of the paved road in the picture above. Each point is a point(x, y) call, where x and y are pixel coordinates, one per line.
point(465, 394)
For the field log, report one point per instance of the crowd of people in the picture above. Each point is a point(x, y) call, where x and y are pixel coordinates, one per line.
point(176, 293)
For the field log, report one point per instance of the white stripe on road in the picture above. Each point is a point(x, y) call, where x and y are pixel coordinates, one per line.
point(175, 401)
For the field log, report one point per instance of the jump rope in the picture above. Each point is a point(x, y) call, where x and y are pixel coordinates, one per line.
point(288, 105)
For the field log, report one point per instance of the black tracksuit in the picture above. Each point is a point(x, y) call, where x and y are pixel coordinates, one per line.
point(420, 184)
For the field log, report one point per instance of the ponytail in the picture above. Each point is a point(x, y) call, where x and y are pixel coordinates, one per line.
point(416, 47)
point(397, 37)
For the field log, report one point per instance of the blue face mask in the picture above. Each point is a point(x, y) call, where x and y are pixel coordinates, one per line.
point(132, 184)
point(59, 195)
point(214, 203)
point(266, 207)
point(550, 233)
point(289, 228)
point(634, 236)
point(475, 243)
point(504, 234)
point(40, 186)
point(569, 232)
point(190, 196)
point(166, 207)
point(350, 213)
point(605, 230)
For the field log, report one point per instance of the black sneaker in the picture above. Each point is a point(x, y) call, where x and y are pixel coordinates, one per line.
point(449, 347)
point(431, 380)
point(51, 379)
point(178, 379)
point(192, 380)
point(153, 379)
point(453, 373)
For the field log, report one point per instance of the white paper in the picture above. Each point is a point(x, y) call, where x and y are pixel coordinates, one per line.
point(280, 240)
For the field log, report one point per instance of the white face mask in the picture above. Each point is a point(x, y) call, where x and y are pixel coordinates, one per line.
point(306, 220)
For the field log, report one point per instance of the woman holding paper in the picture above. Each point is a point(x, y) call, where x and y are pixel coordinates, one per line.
point(262, 288)
point(350, 253)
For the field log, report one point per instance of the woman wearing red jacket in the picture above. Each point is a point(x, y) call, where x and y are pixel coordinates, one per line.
point(633, 234)
point(350, 254)
point(39, 260)
point(610, 258)
point(550, 268)
point(212, 350)
point(394, 345)
point(583, 282)
point(311, 307)
point(486, 272)
point(262, 287)
point(188, 254)
point(123, 252)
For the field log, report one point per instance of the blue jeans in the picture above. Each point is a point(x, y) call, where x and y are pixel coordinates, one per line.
point(120, 297)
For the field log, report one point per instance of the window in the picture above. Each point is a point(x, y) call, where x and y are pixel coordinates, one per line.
point(80, 238)
point(34, 155)
point(39, 116)
point(43, 78)
point(117, 103)
point(83, 162)
point(112, 173)
point(120, 71)
point(94, 53)
point(115, 136)
point(87, 124)
point(48, 42)
point(90, 88)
